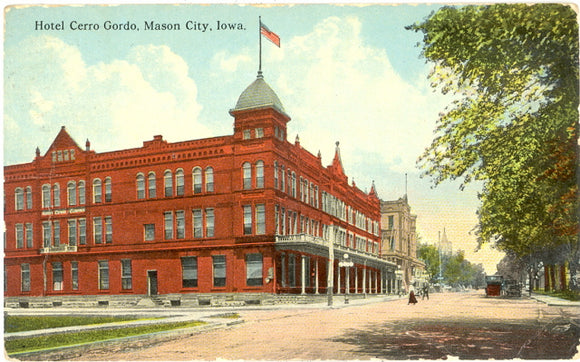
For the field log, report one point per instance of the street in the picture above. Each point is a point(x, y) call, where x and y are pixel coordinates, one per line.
point(449, 325)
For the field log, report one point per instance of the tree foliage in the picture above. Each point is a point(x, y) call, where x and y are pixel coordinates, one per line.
point(430, 256)
point(513, 70)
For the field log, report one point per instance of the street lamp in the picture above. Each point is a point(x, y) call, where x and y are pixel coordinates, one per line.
point(346, 264)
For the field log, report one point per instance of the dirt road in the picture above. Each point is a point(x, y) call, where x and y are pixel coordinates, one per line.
point(464, 325)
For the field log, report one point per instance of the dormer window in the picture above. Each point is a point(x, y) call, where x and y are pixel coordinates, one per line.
point(63, 155)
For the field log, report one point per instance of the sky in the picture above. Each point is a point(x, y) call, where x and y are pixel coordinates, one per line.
point(347, 73)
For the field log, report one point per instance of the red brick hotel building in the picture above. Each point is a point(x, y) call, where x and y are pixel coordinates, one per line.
point(249, 216)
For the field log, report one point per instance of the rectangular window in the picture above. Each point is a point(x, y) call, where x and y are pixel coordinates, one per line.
point(391, 222)
point(292, 270)
point(103, 274)
point(149, 232)
point(72, 232)
point(259, 132)
point(25, 277)
point(108, 229)
point(97, 230)
point(29, 235)
point(126, 274)
point(197, 224)
point(247, 134)
point(180, 218)
point(247, 219)
point(56, 233)
point(254, 269)
point(168, 216)
point(260, 219)
point(209, 223)
point(74, 269)
point(82, 231)
point(19, 236)
point(219, 270)
point(46, 234)
point(57, 276)
point(189, 271)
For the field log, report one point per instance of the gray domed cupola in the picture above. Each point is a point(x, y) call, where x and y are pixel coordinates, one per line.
point(258, 95)
point(259, 108)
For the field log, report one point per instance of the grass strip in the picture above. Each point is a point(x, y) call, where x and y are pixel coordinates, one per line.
point(70, 339)
point(564, 294)
point(30, 323)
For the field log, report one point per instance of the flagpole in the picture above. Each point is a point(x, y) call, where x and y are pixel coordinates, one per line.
point(260, 37)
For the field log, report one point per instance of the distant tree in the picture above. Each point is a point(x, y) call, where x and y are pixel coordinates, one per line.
point(513, 69)
point(429, 254)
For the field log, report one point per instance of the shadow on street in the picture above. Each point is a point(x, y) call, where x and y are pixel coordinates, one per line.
point(477, 339)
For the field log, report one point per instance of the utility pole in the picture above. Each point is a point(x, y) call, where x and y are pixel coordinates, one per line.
point(330, 276)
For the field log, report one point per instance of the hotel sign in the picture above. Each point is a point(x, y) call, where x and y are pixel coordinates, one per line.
point(75, 210)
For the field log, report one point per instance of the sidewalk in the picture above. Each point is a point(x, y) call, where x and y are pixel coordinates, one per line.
point(554, 301)
point(212, 317)
point(168, 315)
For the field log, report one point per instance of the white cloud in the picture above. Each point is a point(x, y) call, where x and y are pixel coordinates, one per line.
point(116, 105)
point(229, 63)
point(349, 91)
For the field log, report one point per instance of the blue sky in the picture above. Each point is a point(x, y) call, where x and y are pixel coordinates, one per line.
point(345, 73)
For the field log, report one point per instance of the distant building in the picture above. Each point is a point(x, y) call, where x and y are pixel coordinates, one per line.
point(399, 242)
point(445, 246)
point(247, 213)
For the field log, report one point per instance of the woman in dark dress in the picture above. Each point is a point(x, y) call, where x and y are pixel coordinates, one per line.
point(412, 299)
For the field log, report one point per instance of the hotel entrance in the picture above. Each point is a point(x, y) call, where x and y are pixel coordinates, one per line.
point(152, 282)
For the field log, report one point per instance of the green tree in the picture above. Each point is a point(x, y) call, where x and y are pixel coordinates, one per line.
point(513, 69)
point(429, 254)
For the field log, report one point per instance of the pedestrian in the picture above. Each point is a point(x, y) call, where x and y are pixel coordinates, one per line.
point(426, 291)
point(412, 299)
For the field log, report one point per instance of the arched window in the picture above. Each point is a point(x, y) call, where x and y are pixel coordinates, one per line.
point(97, 191)
point(179, 182)
point(29, 197)
point(259, 174)
point(275, 174)
point(168, 183)
point(108, 190)
point(140, 186)
point(197, 180)
point(151, 185)
point(81, 190)
point(72, 193)
point(56, 195)
point(247, 175)
point(209, 179)
point(46, 196)
point(19, 199)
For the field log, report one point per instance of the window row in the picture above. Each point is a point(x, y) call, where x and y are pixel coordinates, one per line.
point(288, 222)
point(63, 155)
point(256, 133)
point(174, 184)
point(348, 239)
point(254, 266)
point(174, 225)
point(76, 193)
